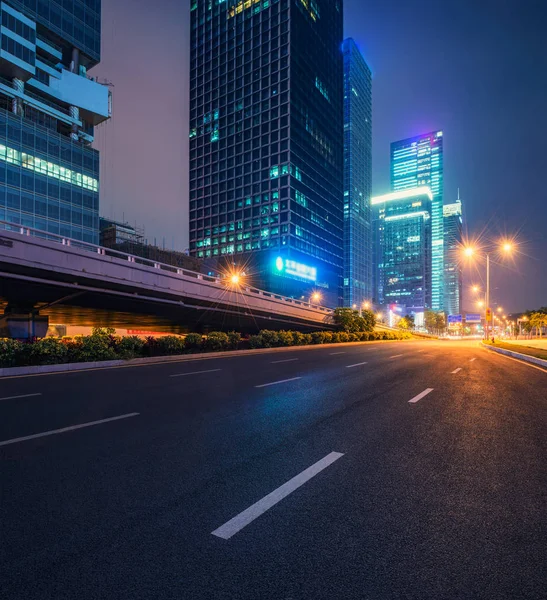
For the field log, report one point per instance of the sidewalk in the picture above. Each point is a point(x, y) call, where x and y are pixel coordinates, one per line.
point(533, 342)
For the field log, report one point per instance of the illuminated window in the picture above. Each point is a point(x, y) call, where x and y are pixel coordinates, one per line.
point(322, 88)
point(43, 167)
point(300, 198)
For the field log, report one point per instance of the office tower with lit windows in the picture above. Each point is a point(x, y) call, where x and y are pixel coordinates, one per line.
point(418, 161)
point(402, 222)
point(357, 285)
point(266, 142)
point(49, 106)
point(453, 231)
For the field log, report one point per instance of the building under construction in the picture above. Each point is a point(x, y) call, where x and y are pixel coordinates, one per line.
point(126, 238)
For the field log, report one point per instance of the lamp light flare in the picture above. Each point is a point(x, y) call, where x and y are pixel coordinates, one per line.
point(469, 251)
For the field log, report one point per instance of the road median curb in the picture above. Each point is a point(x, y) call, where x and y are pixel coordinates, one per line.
point(517, 355)
point(136, 362)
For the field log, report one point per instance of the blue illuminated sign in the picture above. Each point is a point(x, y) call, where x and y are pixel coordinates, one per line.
point(291, 268)
point(454, 318)
point(472, 318)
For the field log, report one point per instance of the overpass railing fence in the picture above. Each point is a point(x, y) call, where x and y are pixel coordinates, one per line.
point(130, 258)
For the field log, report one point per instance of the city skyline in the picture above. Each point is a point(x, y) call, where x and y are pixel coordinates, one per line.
point(479, 151)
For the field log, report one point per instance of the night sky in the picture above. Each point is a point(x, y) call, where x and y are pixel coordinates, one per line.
point(477, 69)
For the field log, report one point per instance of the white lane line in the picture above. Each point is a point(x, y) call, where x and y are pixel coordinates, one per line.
point(356, 365)
point(21, 396)
point(335, 353)
point(243, 519)
point(277, 382)
point(420, 350)
point(277, 362)
point(195, 373)
point(65, 429)
point(420, 396)
point(396, 356)
point(456, 370)
point(472, 359)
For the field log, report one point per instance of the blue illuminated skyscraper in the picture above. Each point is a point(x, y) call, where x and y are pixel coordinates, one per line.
point(415, 162)
point(266, 142)
point(357, 176)
point(453, 229)
point(403, 236)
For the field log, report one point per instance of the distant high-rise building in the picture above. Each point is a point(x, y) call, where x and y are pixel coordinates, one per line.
point(49, 174)
point(453, 230)
point(416, 162)
point(266, 141)
point(402, 222)
point(357, 176)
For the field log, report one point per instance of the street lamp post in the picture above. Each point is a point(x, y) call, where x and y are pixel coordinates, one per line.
point(488, 311)
point(469, 251)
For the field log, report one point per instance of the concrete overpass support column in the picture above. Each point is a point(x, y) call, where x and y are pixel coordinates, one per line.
point(23, 322)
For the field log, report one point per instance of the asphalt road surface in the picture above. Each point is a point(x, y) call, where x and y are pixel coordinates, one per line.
point(411, 470)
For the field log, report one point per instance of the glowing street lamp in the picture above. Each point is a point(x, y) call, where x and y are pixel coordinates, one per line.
point(506, 247)
point(235, 278)
point(469, 251)
point(316, 297)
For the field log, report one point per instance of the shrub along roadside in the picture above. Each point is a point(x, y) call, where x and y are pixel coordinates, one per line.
point(104, 345)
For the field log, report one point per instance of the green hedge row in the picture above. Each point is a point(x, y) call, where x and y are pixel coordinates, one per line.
point(106, 346)
point(97, 347)
point(276, 339)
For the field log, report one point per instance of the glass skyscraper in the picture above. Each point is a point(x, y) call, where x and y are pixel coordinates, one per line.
point(49, 106)
point(416, 162)
point(453, 230)
point(403, 236)
point(266, 141)
point(357, 176)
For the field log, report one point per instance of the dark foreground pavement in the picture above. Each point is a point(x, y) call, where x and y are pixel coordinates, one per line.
point(441, 498)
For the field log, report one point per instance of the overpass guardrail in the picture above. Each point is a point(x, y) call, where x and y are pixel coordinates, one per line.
point(102, 251)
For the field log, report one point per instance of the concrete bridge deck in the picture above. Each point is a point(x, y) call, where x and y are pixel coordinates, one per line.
point(78, 283)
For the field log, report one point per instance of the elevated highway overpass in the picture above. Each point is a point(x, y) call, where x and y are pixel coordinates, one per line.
point(45, 277)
